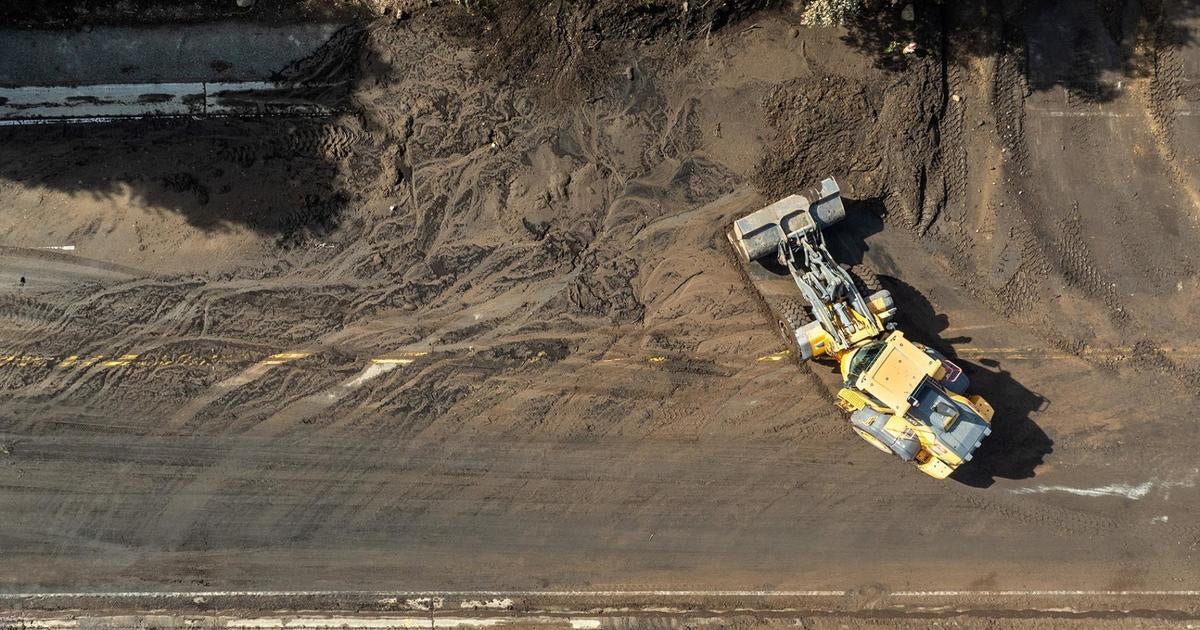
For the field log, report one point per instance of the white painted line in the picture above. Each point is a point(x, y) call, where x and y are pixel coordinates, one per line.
point(64, 248)
point(1099, 114)
point(256, 97)
point(1050, 593)
point(107, 103)
point(120, 100)
point(321, 623)
point(312, 623)
point(1133, 492)
point(370, 372)
point(593, 594)
point(417, 594)
point(502, 603)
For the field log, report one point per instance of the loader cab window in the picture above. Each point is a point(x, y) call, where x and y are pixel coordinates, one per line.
point(862, 360)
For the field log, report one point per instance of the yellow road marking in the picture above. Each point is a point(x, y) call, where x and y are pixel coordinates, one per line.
point(778, 356)
point(283, 357)
point(399, 358)
point(124, 359)
point(210, 359)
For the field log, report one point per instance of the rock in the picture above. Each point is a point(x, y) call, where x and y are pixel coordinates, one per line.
point(908, 14)
point(245, 4)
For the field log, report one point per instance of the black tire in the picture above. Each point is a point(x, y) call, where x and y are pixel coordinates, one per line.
point(791, 314)
point(865, 279)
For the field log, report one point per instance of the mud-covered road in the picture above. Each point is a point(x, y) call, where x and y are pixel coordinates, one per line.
point(481, 331)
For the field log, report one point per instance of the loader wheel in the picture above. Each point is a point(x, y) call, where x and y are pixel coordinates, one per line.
point(792, 315)
point(865, 279)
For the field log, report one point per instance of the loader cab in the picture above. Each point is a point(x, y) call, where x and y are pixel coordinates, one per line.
point(890, 370)
point(860, 361)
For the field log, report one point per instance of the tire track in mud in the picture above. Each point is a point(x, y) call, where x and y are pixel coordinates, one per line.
point(1022, 299)
point(1158, 96)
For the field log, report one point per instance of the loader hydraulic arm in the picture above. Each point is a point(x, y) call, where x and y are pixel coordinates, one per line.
point(833, 298)
point(791, 230)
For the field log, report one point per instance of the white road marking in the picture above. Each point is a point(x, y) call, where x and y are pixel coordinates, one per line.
point(1095, 114)
point(1128, 491)
point(320, 623)
point(502, 603)
point(312, 623)
point(592, 594)
point(106, 103)
point(1050, 593)
point(371, 371)
point(416, 594)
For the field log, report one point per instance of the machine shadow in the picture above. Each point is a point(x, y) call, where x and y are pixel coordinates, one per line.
point(1017, 445)
point(847, 240)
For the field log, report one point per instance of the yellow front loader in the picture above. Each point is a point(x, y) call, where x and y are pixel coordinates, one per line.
point(903, 397)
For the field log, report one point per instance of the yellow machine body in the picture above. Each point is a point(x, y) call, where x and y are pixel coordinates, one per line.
point(888, 386)
point(903, 398)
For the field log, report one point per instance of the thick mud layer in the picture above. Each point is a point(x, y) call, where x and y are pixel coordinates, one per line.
point(482, 329)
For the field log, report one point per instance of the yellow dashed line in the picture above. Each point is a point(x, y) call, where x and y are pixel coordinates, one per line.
point(124, 359)
point(399, 358)
point(209, 359)
point(283, 357)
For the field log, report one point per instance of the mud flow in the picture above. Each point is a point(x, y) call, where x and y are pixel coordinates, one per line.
point(473, 322)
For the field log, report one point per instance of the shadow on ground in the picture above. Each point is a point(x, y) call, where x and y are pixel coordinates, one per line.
point(1080, 45)
point(278, 177)
point(1017, 445)
point(282, 177)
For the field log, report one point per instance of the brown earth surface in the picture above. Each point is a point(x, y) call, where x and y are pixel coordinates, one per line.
point(481, 330)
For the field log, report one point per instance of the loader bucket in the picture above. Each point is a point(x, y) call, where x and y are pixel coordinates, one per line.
point(759, 233)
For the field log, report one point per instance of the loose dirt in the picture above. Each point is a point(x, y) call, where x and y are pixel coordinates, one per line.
point(481, 329)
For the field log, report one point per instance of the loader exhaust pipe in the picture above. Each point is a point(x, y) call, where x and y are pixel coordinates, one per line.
point(760, 233)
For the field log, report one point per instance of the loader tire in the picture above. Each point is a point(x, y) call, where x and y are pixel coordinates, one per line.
point(791, 314)
point(865, 279)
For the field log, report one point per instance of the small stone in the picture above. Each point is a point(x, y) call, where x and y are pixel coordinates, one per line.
point(795, 33)
point(908, 14)
point(245, 4)
point(956, 98)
